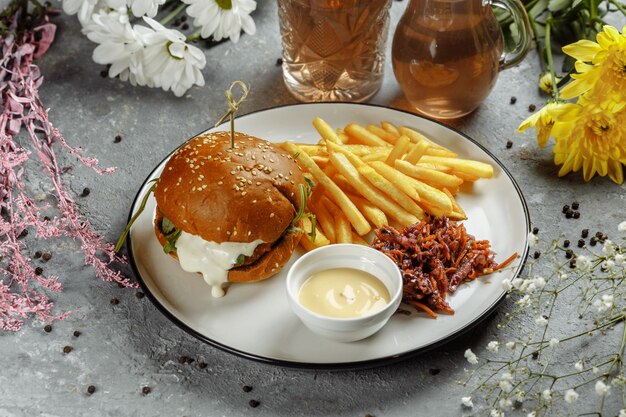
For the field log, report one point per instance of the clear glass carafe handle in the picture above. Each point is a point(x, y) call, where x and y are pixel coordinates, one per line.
point(520, 19)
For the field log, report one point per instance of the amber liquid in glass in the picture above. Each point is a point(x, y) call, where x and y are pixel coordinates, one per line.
point(446, 59)
point(333, 50)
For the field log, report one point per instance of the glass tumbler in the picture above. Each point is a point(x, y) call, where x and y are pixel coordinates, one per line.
point(333, 50)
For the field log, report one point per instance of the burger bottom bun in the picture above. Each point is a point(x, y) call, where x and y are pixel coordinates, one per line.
point(266, 266)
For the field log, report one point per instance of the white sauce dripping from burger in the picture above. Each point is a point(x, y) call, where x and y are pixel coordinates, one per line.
point(211, 259)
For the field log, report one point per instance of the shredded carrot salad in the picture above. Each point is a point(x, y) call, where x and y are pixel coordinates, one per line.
point(435, 257)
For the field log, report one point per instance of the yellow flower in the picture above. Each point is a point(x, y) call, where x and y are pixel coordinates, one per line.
point(601, 64)
point(590, 135)
point(542, 121)
point(545, 82)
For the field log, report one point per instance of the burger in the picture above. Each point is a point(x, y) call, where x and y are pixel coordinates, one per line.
point(230, 213)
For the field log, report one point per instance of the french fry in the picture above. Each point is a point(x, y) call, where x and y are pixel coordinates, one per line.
point(426, 192)
point(325, 221)
point(358, 221)
point(375, 156)
point(372, 213)
point(320, 160)
point(431, 176)
point(431, 150)
point(361, 150)
point(320, 238)
point(324, 129)
point(390, 127)
point(400, 180)
point(361, 135)
point(465, 176)
point(417, 137)
point(386, 186)
point(343, 231)
point(344, 184)
point(398, 150)
point(455, 205)
point(359, 240)
point(343, 165)
point(416, 152)
point(342, 136)
point(468, 166)
point(388, 137)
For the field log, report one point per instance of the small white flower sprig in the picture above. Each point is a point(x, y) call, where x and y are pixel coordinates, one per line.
point(525, 376)
point(152, 54)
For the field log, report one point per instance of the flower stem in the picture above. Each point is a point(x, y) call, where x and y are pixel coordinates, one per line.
point(555, 88)
point(173, 14)
point(619, 6)
point(194, 36)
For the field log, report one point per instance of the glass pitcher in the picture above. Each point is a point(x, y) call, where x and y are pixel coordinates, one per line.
point(446, 54)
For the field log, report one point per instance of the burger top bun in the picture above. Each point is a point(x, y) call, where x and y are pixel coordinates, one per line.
point(225, 194)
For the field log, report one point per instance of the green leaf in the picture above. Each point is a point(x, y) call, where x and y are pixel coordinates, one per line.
point(240, 259)
point(170, 243)
point(167, 226)
point(538, 9)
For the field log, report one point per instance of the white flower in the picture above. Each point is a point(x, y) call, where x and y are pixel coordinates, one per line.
point(120, 45)
point(546, 395)
point(521, 396)
point(602, 389)
point(506, 285)
point(579, 365)
point(622, 413)
point(608, 265)
point(145, 7)
point(467, 402)
point(524, 301)
point(553, 342)
point(510, 345)
point(493, 346)
point(583, 263)
point(618, 381)
point(471, 357)
point(517, 283)
point(622, 226)
point(169, 62)
point(83, 9)
point(563, 276)
point(532, 239)
point(505, 386)
point(505, 403)
point(619, 259)
point(595, 370)
point(222, 19)
point(604, 303)
point(570, 396)
point(608, 248)
point(541, 320)
point(496, 413)
point(532, 414)
point(506, 376)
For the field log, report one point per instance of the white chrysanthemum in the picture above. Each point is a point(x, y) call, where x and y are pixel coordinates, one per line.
point(604, 303)
point(169, 61)
point(467, 402)
point(144, 7)
point(602, 389)
point(222, 19)
point(119, 45)
point(583, 263)
point(570, 396)
point(579, 365)
point(541, 320)
point(553, 342)
point(622, 413)
point(622, 226)
point(532, 239)
point(83, 9)
point(493, 346)
point(471, 357)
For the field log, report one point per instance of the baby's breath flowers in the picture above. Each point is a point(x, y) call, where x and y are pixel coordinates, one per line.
point(589, 134)
point(548, 369)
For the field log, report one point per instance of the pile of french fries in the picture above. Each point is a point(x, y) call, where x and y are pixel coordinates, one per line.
point(371, 176)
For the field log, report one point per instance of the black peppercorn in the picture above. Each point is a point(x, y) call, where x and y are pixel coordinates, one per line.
point(46, 256)
point(47, 328)
point(581, 243)
point(67, 349)
point(535, 355)
point(535, 230)
point(572, 263)
point(279, 62)
point(115, 301)
point(509, 144)
point(584, 233)
point(185, 26)
point(104, 73)
point(253, 403)
point(146, 390)
point(91, 389)
point(76, 333)
point(247, 388)
point(139, 294)
point(117, 139)
point(575, 205)
point(531, 107)
point(576, 214)
point(38, 270)
point(537, 254)
point(566, 243)
point(569, 254)
point(202, 365)
point(38, 254)
point(565, 208)
point(593, 241)
point(513, 100)
point(569, 213)
point(85, 192)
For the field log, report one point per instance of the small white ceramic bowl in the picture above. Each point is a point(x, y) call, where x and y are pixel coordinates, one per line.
point(345, 256)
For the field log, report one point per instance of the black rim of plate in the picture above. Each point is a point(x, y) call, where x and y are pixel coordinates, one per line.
point(370, 363)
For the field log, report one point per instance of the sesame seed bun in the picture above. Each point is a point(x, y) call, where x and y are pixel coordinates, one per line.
point(239, 194)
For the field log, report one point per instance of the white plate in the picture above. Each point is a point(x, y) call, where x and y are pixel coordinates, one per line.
point(254, 320)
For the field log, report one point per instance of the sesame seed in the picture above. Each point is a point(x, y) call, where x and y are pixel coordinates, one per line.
point(271, 215)
point(220, 183)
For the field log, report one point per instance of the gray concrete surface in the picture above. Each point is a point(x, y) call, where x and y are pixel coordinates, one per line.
point(125, 347)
